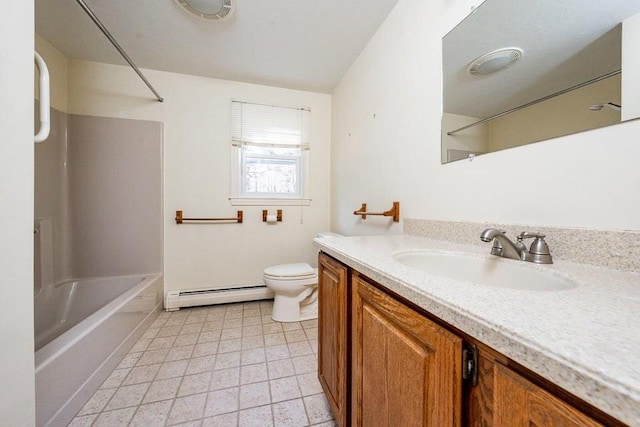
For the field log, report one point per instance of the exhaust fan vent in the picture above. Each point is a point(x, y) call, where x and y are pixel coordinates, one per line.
point(494, 61)
point(208, 9)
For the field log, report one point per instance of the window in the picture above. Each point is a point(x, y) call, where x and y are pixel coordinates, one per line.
point(270, 149)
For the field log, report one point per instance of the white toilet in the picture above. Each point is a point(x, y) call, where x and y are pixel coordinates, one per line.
point(296, 290)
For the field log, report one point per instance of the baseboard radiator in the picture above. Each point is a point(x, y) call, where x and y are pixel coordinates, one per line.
point(175, 300)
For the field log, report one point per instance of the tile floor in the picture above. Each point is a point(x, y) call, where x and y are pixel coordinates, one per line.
point(224, 365)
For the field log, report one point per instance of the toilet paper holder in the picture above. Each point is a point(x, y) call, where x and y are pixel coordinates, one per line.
point(265, 213)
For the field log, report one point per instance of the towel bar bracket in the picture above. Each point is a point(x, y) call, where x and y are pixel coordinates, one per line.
point(393, 212)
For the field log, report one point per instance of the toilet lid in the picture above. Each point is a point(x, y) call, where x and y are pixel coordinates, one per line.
point(296, 271)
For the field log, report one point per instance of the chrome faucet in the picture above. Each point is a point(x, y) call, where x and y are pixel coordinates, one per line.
point(504, 247)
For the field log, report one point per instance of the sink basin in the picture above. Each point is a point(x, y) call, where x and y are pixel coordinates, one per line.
point(488, 271)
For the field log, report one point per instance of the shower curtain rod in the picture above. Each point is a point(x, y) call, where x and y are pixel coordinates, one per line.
point(537, 101)
point(117, 46)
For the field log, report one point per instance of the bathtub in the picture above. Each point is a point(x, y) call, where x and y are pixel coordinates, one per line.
point(82, 330)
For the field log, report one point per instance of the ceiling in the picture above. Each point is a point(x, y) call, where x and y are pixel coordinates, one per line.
point(298, 44)
point(565, 42)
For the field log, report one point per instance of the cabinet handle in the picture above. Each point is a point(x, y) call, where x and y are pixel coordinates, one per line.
point(470, 365)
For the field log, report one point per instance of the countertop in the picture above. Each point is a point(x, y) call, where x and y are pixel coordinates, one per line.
point(585, 339)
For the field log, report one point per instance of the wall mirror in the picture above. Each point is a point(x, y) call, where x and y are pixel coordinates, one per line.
point(522, 71)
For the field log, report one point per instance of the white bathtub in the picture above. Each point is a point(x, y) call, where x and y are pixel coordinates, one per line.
point(82, 329)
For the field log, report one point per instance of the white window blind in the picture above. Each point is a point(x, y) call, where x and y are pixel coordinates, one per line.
point(268, 125)
point(270, 154)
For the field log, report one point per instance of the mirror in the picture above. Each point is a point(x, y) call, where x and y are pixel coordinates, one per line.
point(577, 71)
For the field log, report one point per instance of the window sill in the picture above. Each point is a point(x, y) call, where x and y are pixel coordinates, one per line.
point(267, 201)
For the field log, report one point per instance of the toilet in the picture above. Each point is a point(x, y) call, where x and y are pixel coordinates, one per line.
point(296, 289)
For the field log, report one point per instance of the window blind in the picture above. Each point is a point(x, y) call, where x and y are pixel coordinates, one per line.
point(269, 125)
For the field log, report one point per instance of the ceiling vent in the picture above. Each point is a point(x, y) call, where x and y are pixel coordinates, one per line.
point(215, 10)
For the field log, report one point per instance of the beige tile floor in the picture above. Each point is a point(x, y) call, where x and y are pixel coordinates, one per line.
point(224, 365)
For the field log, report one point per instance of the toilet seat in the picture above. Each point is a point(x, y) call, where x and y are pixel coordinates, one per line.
point(286, 272)
point(286, 284)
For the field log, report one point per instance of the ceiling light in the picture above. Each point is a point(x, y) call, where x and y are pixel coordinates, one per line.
point(494, 61)
point(208, 9)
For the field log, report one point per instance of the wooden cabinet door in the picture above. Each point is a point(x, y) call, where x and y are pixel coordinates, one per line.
point(333, 322)
point(520, 403)
point(406, 370)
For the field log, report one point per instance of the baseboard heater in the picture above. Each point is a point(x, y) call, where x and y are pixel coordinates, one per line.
point(175, 300)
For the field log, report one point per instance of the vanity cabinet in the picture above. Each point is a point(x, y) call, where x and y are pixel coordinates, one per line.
point(382, 361)
point(405, 368)
point(520, 403)
point(333, 322)
point(505, 395)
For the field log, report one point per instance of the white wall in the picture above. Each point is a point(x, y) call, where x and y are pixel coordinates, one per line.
point(17, 396)
point(197, 161)
point(585, 180)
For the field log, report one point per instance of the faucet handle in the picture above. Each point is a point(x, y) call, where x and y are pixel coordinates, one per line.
point(530, 235)
point(539, 250)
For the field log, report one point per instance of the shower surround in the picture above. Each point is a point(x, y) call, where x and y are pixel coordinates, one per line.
point(98, 252)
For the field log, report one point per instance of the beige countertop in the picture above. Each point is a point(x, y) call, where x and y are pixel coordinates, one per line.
point(585, 339)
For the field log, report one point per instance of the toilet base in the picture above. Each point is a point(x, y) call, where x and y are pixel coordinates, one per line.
point(290, 309)
point(309, 312)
